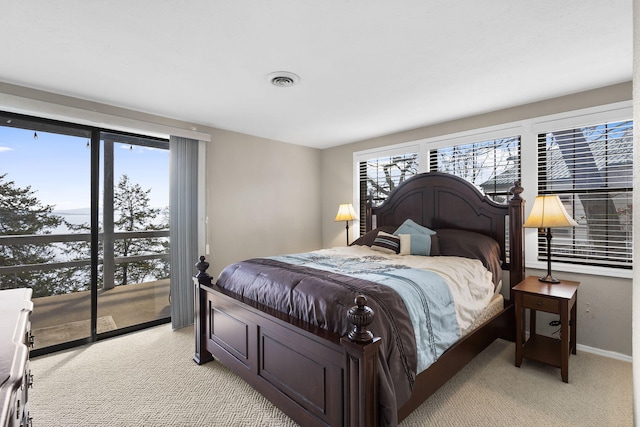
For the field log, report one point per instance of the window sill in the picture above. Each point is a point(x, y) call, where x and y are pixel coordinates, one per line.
point(581, 269)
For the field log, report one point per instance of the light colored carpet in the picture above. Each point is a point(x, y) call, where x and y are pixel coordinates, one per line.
point(56, 334)
point(148, 378)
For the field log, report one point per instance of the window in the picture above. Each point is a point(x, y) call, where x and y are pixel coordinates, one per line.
point(591, 169)
point(492, 166)
point(585, 156)
point(379, 176)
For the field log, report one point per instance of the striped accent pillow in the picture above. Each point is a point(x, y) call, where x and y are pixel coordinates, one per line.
point(387, 243)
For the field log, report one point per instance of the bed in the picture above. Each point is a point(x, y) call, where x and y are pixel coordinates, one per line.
point(338, 354)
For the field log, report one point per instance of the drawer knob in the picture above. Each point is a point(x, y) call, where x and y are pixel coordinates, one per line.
point(539, 303)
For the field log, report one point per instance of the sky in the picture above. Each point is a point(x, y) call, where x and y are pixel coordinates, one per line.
point(57, 167)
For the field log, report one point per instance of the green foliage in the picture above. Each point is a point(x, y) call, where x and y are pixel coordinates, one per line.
point(132, 205)
point(21, 213)
point(132, 212)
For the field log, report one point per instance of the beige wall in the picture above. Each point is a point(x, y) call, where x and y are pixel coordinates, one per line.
point(337, 162)
point(263, 198)
point(607, 323)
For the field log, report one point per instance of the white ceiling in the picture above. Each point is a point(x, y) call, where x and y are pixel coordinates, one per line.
point(367, 67)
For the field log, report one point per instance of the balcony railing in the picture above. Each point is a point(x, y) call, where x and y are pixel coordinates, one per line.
point(57, 319)
point(79, 237)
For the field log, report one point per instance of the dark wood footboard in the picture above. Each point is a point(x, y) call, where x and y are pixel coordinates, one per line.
point(314, 376)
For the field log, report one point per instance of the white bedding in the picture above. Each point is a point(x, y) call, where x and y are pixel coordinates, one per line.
point(470, 282)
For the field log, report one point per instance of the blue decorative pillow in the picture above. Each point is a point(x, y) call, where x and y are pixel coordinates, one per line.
point(412, 227)
point(415, 244)
point(387, 243)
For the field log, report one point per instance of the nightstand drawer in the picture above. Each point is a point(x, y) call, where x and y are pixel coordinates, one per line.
point(537, 302)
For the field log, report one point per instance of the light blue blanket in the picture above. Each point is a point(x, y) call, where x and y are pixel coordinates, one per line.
point(425, 294)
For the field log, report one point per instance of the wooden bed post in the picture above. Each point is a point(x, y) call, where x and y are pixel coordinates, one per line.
point(516, 237)
point(201, 354)
point(361, 373)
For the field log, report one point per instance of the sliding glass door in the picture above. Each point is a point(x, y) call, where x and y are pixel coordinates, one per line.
point(135, 189)
point(45, 190)
point(84, 223)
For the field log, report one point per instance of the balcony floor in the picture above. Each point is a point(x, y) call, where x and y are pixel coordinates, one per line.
point(61, 318)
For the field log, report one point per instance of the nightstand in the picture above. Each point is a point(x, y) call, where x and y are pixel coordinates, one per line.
point(558, 298)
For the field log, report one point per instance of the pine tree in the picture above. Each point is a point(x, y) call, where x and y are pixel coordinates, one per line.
point(132, 212)
point(132, 206)
point(21, 213)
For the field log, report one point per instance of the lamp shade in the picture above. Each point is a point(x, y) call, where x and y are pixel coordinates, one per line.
point(346, 212)
point(548, 212)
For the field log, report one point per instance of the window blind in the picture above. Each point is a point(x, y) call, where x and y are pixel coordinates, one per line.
point(380, 176)
point(591, 169)
point(183, 199)
point(492, 166)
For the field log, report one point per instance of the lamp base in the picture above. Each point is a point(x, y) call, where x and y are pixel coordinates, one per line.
point(548, 279)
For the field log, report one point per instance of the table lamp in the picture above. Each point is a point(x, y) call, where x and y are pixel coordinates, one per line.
point(346, 213)
point(548, 212)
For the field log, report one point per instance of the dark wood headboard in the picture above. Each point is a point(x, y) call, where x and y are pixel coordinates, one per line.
point(440, 200)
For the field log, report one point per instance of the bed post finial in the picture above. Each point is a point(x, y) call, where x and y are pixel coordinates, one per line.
point(202, 276)
point(516, 190)
point(361, 316)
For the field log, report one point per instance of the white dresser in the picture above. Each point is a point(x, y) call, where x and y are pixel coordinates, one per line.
point(15, 342)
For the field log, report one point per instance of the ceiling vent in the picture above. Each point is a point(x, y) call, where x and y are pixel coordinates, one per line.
point(283, 78)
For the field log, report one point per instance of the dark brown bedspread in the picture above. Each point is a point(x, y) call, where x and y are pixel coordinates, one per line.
point(322, 298)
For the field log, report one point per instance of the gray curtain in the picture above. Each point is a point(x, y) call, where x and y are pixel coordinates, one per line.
point(183, 206)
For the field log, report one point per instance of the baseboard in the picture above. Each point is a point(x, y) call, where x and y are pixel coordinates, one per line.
point(605, 353)
point(598, 351)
